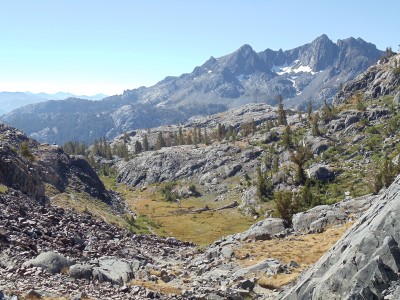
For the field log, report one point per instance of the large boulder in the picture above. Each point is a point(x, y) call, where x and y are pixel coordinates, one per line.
point(114, 270)
point(264, 230)
point(51, 262)
point(317, 144)
point(364, 263)
point(79, 271)
point(320, 172)
point(318, 218)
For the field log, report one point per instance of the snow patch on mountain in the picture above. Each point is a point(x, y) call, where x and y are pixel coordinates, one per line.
point(293, 68)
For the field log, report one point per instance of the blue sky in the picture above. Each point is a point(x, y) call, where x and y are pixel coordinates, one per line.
point(88, 47)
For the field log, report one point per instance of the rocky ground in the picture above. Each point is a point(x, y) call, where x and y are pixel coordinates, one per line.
point(53, 252)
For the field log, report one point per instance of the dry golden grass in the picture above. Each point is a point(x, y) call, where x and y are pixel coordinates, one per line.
point(200, 228)
point(279, 280)
point(304, 250)
point(83, 202)
point(158, 286)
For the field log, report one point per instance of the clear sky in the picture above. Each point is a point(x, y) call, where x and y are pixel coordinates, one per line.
point(99, 46)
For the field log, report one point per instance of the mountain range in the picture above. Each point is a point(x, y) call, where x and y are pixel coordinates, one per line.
point(12, 100)
point(313, 71)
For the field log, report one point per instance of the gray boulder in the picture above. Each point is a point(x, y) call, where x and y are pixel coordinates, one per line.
point(264, 230)
point(51, 262)
point(116, 271)
point(269, 266)
point(250, 201)
point(364, 263)
point(232, 170)
point(322, 216)
point(317, 144)
point(320, 172)
point(79, 271)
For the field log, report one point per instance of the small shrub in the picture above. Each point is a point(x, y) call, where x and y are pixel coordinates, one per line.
point(167, 191)
point(3, 189)
point(25, 151)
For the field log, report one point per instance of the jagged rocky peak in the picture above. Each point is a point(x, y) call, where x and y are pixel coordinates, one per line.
point(322, 53)
point(243, 61)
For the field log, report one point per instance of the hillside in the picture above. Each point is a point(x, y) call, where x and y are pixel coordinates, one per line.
point(314, 70)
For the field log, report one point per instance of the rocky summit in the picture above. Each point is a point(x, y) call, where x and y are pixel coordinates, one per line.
point(312, 71)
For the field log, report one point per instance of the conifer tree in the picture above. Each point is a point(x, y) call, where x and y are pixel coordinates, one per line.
point(299, 158)
point(315, 128)
point(180, 136)
point(138, 147)
point(287, 138)
point(282, 120)
point(160, 141)
point(145, 143)
point(176, 141)
point(309, 110)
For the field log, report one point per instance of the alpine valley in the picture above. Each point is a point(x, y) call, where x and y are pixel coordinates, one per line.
point(204, 190)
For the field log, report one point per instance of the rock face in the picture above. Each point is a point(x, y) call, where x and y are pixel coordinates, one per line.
point(313, 71)
point(48, 164)
point(380, 79)
point(367, 257)
point(207, 164)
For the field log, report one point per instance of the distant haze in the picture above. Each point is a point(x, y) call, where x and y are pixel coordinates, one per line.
point(12, 100)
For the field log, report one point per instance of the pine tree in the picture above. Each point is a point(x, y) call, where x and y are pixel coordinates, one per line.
point(299, 158)
point(284, 205)
point(309, 110)
point(264, 186)
point(160, 141)
point(180, 136)
point(199, 136)
point(176, 141)
point(219, 132)
point(282, 120)
point(167, 139)
point(138, 147)
point(315, 128)
point(299, 116)
point(145, 143)
point(287, 138)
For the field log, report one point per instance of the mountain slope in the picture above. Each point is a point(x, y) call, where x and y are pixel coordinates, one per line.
point(314, 70)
